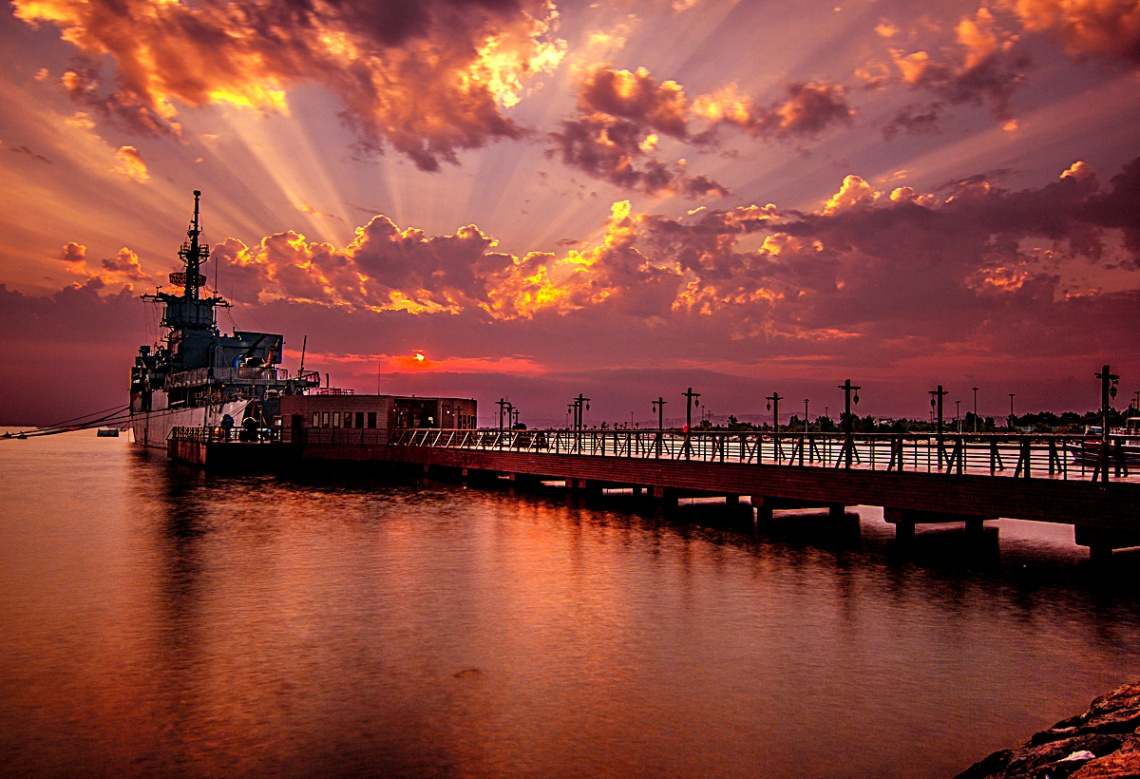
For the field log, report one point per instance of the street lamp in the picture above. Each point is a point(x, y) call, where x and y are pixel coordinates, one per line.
point(958, 414)
point(1011, 410)
point(578, 405)
point(805, 415)
point(975, 409)
point(1108, 382)
point(848, 419)
point(936, 397)
point(774, 406)
point(691, 399)
point(503, 405)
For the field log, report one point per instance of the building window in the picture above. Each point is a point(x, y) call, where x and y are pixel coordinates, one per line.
point(360, 419)
point(336, 419)
point(372, 419)
point(316, 419)
point(324, 419)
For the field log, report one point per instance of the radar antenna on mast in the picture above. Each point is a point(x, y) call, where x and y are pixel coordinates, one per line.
point(193, 254)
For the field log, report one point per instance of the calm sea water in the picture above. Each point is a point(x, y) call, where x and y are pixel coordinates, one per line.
point(159, 621)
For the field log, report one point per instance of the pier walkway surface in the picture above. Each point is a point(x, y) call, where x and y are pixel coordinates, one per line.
point(916, 479)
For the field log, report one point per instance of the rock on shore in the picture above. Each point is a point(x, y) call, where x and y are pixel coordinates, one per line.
point(1103, 742)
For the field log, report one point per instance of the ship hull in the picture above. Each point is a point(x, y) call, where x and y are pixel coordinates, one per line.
point(152, 428)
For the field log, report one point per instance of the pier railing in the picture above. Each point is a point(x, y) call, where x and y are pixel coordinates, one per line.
point(1015, 455)
point(219, 435)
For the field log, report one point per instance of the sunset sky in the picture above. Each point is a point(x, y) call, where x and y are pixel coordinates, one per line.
point(621, 199)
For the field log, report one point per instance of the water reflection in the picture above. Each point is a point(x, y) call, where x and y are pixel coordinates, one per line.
point(338, 624)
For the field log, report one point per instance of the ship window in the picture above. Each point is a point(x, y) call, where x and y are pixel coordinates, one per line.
point(316, 419)
point(372, 419)
point(336, 419)
point(360, 419)
point(324, 419)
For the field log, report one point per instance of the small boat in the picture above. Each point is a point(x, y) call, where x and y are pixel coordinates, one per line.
point(107, 432)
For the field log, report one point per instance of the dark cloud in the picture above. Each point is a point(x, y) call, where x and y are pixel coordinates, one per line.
point(914, 120)
point(619, 151)
point(615, 136)
point(78, 331)
point(73, 252)
point(1118, 208)
point(992, 81)
point(637, 97)
point(25, 151)
point(807, 110)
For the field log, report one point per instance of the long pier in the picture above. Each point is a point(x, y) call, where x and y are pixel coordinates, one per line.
point(916, 479)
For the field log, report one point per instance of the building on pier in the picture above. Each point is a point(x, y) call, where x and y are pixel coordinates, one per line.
point(343, 417)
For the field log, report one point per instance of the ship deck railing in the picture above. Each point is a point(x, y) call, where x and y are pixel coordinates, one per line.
point(1013, 455)
point(246, 375)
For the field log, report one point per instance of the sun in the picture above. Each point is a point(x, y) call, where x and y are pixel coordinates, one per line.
point(419, 356)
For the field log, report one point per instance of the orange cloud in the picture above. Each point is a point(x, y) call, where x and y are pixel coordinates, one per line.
point(427, 78)
point(1084, 26)
point(853, 193)
point(129, 163)
point(806, 110)
point(978, 37)
point(125, 264)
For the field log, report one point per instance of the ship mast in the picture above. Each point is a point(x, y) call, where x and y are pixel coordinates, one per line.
point(193, 254)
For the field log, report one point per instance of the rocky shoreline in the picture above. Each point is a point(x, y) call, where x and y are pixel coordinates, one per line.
point(1103, 742)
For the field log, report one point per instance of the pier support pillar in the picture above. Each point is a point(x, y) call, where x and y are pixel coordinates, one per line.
point(904, 520)
point(666, 496)
point(1102, 540)
point(586, 487)
point(763, 508)
point(836, 511)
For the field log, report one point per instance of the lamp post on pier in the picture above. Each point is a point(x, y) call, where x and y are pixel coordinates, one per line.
point(578, 405)
point(690, 401)
point(975, 409)
point(774, 406)
point(659, 407)
point(1011, 417)
point(848, 421)
point(503, 405)
point(936, 404)
point(958, 415)
point(805, 415)
point(936, 396)
point(1108, 383)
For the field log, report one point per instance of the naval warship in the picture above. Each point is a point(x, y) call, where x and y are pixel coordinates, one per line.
point(195, 377)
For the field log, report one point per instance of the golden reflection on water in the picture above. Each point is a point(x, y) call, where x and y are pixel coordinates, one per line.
point(164, 621)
